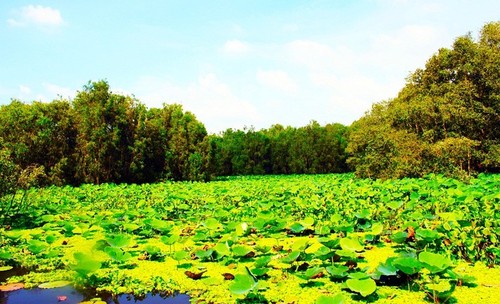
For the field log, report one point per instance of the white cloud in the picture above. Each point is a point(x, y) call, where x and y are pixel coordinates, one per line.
point(236, 47)
point(25, 90)
point(36, 15)
point(276, 79)
point(212, 101)
point(55, 90)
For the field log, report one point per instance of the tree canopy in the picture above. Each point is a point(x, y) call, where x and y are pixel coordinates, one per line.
point(444, 120)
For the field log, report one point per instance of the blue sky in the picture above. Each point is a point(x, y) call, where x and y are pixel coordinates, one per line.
point(231, 63)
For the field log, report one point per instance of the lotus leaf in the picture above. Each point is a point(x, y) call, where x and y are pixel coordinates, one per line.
point(408, 265)
point(426, 235)
point(365, 287)
point(337, 299)
point(241, 250)
point(5, 268)
point(85, 263)
point(338, 272)
point(351, 244)
point(434, 262)
point(119, 240)
point(55, 284)
point(242, 284)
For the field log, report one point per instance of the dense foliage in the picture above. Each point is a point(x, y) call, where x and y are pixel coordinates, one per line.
point(446, 119)
point(102, 137)
point(278, 239)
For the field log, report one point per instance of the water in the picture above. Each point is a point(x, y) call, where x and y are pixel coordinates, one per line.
point(73, 296)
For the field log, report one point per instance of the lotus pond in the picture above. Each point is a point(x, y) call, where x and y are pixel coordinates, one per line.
point(272, 239)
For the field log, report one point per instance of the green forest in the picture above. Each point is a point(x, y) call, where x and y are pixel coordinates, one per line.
point(444, 120)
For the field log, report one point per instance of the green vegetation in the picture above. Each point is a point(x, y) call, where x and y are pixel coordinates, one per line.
point(313, 238)
point(267, 238)
point(444, 120)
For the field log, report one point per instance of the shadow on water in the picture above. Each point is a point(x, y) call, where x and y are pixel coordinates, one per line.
point(69, 295)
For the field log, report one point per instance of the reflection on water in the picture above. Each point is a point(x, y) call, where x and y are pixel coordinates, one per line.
point(68, 295)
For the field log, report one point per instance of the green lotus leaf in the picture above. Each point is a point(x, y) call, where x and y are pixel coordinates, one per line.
point(262, 261)
point(119, 240)
point(37, 246)
point(338, 272)
point(308, 222)
point(337, 299)
point(358, 275)
point(85, 263)
point(297, 228)
point(399, 237)
point(55, 284)
point(351, 244)
point(241, 250)
point(117, 254)
point(212, 224)
point(291, 257)
point(365, 287)
point(204, 254)
point(408, 265)
point(426, 235)
point(363, 214)
point(395, 205)
point(434, 262)
point(311, 273)
point(180, 255)
point(5, 255)
point(377, 228)
point(259, 272)
point(222, 249)
point(387, 268)
point(242, 284)
point(170, 240)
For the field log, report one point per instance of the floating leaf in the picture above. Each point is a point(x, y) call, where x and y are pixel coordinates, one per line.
point(85, 263)
point(407, 265)
point(399, 237)
point(11, 287)
point(426, 235)
point(259, 272)
point(292, 257)
point(228, 276)
point(55, 284)
point(263, 261)
point(337, 299)
point(241, 250)
point(434, 262)
point(350, 244)
point(117, 254)
point(377, 228)
point(5, 268)
point(36, 246)
point(242, 284)
point(194, 275)
point(312, 273)
point(358, 275)
point(170, 240)
point(337, 272)
point(119, 240)
point(297, 228)
point(222, 249)
point(180, 255)
point(212, 224)
point(365, 287)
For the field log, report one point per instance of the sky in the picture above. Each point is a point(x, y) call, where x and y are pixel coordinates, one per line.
point(234, 64)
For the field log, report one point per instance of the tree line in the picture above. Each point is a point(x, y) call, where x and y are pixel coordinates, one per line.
point(101, 137)
point(446, 119)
